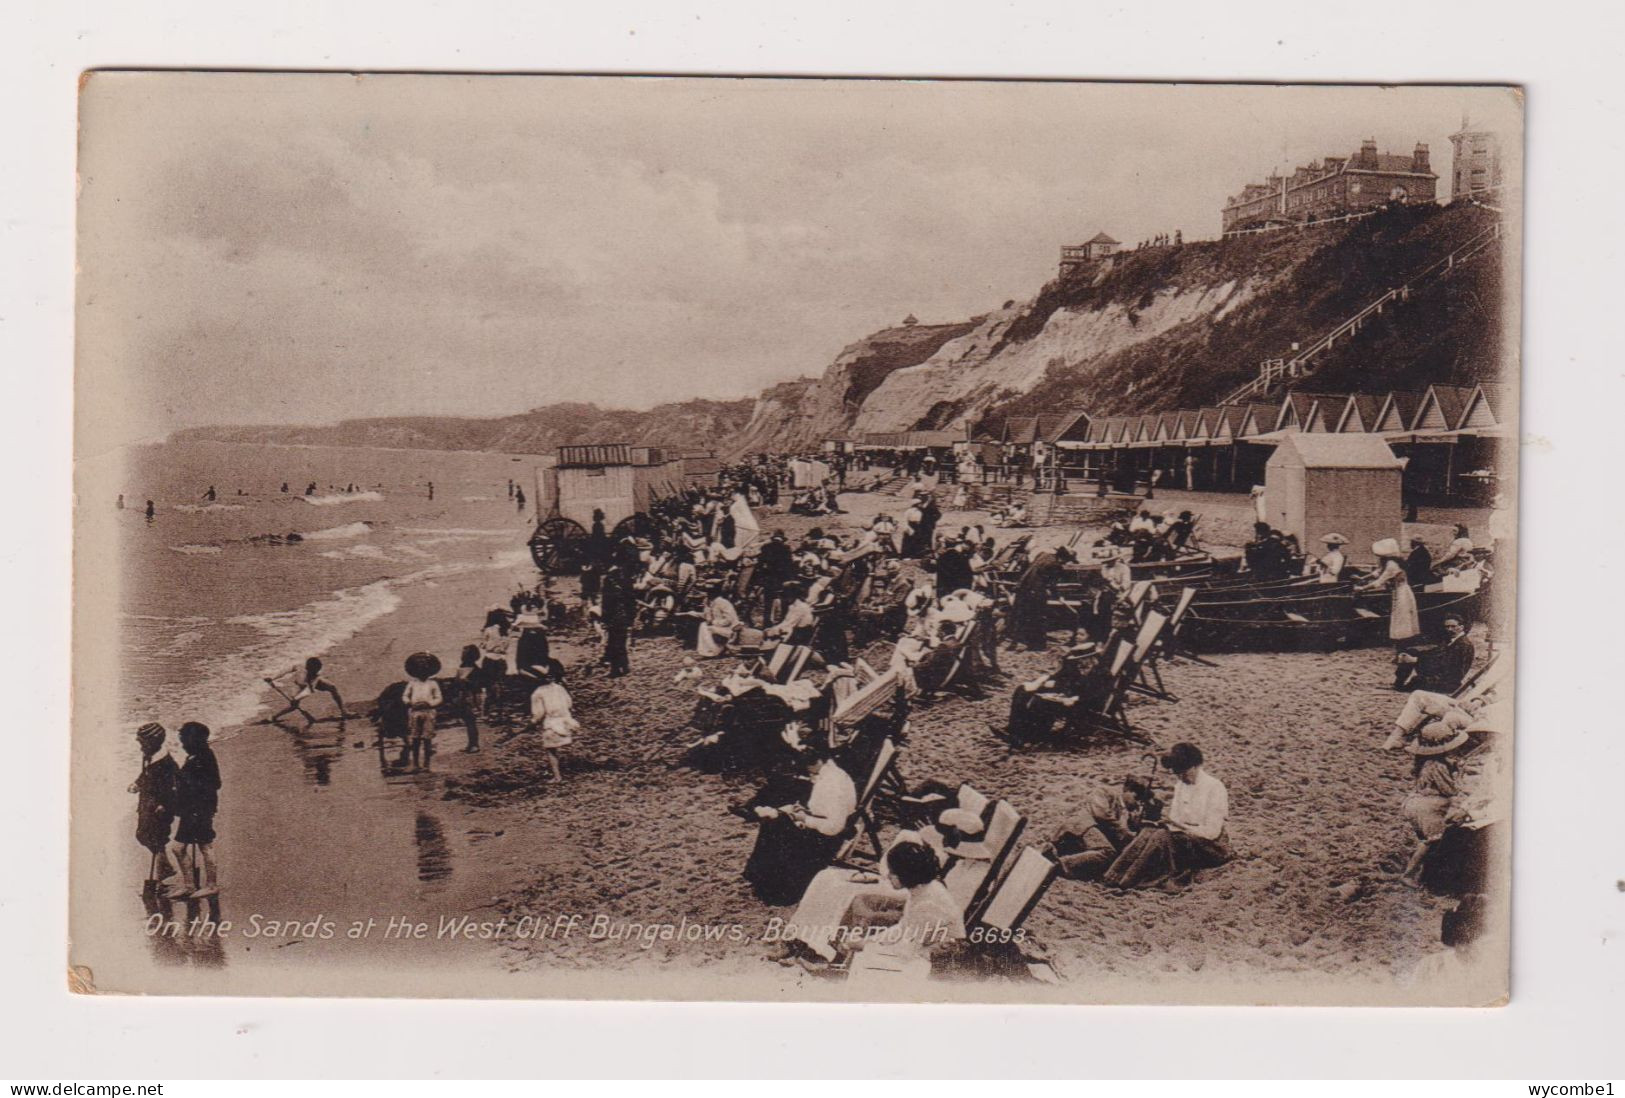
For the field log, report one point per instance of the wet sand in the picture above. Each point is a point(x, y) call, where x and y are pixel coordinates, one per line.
point(315, 821)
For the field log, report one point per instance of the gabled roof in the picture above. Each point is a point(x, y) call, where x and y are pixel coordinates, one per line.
point(1398, 410)
point(1325, 410)
point(1185, 424)
point(1048, 425)
point(1489, 406)
point(1259, 419)
point(1101, 238)
point(1314, 451)
point(1167, 422)
point(1441, 408)
point(1228, 421)
point(1073, 427)
point(1019, 430)
point(1146, 429)
point(1359, 413)
point(1295, 408)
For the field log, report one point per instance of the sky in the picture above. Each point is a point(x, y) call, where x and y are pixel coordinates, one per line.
point(307, 248)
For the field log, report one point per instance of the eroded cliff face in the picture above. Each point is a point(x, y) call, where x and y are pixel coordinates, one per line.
point(972, 374)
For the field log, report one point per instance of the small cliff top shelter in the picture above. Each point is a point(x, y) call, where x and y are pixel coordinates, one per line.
point(1317, 484)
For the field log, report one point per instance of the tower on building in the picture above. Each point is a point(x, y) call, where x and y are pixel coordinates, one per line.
point(1476, 161)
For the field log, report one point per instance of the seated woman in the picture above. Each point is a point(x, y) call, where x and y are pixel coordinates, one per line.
point(719, 627)
point(1037, 705)
point(902, 908)
point(1191, 834)
point(1433, 776)
point(1458, 553)
point(795, 840)
point(798, 623)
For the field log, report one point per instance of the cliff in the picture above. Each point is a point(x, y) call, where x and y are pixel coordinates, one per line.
point(693, 424)
point(1160, 328)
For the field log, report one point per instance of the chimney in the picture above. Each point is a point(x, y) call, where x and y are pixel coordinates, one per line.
point(1419, 158)
point(1368, 153)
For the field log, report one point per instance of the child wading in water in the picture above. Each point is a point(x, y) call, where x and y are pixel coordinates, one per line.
point(422, 697)
point(550, 709)
point(199, 785)
point(158, 794)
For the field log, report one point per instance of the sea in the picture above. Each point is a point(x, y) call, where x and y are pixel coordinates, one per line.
point(216, 594)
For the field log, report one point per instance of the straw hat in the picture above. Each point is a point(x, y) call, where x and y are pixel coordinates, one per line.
point(422, 665)
point(961, 820)
point(1081, 649)
point(1335, 539)
point(1387, 547)
point(1437, 738)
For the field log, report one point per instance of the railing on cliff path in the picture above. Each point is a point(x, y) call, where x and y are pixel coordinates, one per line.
point(1301, 365)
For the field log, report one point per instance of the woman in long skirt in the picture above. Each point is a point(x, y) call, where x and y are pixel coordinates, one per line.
point(1404, 622)
point(795, 841)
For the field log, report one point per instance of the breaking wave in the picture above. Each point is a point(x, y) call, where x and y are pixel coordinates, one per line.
point(338, 533)
point(348, 497)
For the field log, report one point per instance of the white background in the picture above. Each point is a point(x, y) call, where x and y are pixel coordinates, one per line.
point(1567, 1015)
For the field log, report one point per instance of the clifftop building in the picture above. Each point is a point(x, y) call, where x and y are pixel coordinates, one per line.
point(1476, 165)
point(1098, 246)
point(1334, 186)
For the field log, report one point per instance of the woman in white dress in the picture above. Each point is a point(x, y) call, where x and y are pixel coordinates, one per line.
point(550, 711)
point(1404, 623)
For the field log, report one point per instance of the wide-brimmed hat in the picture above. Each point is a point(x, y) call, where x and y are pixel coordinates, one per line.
point(1437, 738)
point(1082, 648)
point(1387, 547)
point(422, 665)
point(961, 820)
point(1335, 539)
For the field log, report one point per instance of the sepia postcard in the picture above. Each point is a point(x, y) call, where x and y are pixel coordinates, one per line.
point(713, 538)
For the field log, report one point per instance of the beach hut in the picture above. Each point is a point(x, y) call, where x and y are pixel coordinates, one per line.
point(1317, 484)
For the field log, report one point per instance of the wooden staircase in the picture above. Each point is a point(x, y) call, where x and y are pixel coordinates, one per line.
point(1289, 371)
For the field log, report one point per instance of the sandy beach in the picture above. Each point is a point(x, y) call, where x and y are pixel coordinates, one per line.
point(480, 869)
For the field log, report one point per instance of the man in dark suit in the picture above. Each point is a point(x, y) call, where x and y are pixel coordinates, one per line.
point(953, 569)
point(619, 608)
point(1419, 565)
point(1439, 668)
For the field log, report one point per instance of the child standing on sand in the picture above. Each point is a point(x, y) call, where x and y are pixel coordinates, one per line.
point(550, 709)
point(422, 697)
point(158, 792)
point(199, 800)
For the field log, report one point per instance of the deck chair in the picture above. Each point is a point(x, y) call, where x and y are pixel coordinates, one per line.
point(1150, 645)
point(1110, 714)
point(864, 700)
point(882, 775)
point(917, 809)
point(1015, 897)
point(784, 664)
point(975, 869)
point(1169, 645)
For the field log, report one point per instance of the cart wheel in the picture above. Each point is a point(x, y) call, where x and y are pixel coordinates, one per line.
point(635, 525)
point(558, 546)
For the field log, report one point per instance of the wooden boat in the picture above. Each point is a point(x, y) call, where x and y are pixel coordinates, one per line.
point(1344, 622)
